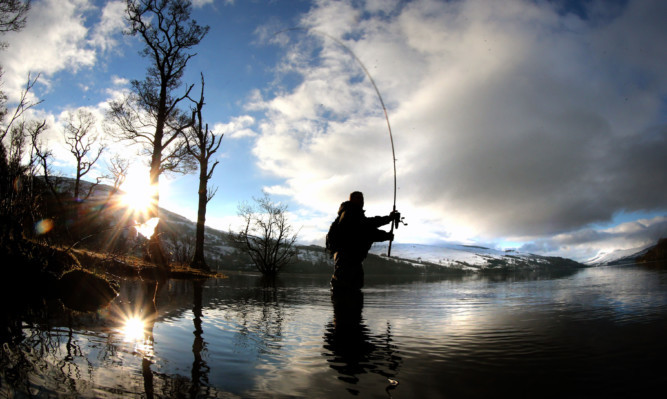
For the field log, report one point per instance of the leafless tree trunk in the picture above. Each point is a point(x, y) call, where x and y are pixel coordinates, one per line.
point(40, 157)
point(117, 172)
point(13, 14)
point(181, 246)
point(267, 236)
point(18, 202)
point(151, 114)
point(80, 139)
point(23, 105)
point(202, 144)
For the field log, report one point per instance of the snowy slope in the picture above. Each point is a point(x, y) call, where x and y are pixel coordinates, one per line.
point(180, 231)
point(446, 254)
point(449, 256)
point(620, 256)
point(466, 256)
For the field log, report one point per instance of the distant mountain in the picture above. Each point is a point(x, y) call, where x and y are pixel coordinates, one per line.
point(471, 257)
point(405, 258)
point(617, 257)
point(649, 254)
point(656, 256)
point(179, 232)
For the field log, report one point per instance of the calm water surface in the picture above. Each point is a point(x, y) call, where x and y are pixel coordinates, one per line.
point(599, 332)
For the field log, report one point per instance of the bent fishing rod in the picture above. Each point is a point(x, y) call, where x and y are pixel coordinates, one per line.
point(397, 216)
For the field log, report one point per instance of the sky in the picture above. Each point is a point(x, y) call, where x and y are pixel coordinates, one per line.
point(533, 125)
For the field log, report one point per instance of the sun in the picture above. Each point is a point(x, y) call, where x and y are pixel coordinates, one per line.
point(133, 330)
point(139, 195)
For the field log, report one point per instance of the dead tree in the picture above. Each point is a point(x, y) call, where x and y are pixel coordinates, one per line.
point(150, 115)
point(266, 236)
point(117, 172)
point(23, 105)
point(80, 138)
point(13, 14)
point(202, 144)
point(40, 158)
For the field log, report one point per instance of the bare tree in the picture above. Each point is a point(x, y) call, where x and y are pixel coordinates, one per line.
point(13, 15)
point(80, 137)
point(202, 144)
point(16, 175)
point(181, 246)
point(17, 196)
point(117, 172)
point(151, 114)
point(41, 155)
point(267, 236)
point(40, 161)
point(23, 105)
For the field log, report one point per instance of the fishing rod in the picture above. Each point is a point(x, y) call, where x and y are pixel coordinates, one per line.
point(397, 219)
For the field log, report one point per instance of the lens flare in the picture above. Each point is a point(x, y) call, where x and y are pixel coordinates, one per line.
point(43, 226)
point(140, 195)
point(139, 198)
point(147, 229)
point(136, 331)
point(133, 330)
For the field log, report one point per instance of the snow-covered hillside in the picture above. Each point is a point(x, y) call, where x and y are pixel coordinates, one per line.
point(416, 257)
point(444, 255)
point(620, 256)
point(468, 257)
point(179, 235)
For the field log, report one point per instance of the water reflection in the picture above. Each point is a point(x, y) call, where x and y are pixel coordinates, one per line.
point(147, 313)
point(42, 362)
point(139, 328)
point(350, 347)
point(200, 369)
point(589, 334)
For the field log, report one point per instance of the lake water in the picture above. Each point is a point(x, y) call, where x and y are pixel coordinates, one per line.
point(598, 332)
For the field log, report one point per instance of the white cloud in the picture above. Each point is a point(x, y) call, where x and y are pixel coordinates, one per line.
point(57, 37)
point(588, 243)
point(111, 25)
point(238, 127)
point(53, 39)
point(118, 81)
point(510, 119)
point(202, 3)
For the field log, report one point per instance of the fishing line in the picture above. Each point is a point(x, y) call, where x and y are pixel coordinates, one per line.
point(384, 108)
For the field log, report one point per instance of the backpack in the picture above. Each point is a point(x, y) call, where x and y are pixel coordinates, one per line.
point(333, 237)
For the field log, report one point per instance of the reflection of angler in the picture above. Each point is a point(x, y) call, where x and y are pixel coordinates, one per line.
point(351, 349)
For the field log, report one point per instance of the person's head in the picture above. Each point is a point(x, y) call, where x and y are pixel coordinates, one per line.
point(357, 197)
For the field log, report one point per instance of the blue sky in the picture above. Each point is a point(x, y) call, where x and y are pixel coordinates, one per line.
point(539, 125)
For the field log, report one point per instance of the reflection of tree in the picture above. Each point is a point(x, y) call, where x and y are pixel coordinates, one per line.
point(199, 367)
point(351, 350)
point(261, 311)
point(150, 316)
point(29, 353)
point(48, 351)
point(67, 366)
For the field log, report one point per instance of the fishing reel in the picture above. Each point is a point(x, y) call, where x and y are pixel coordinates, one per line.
point(398, 219)
point(395, 221)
